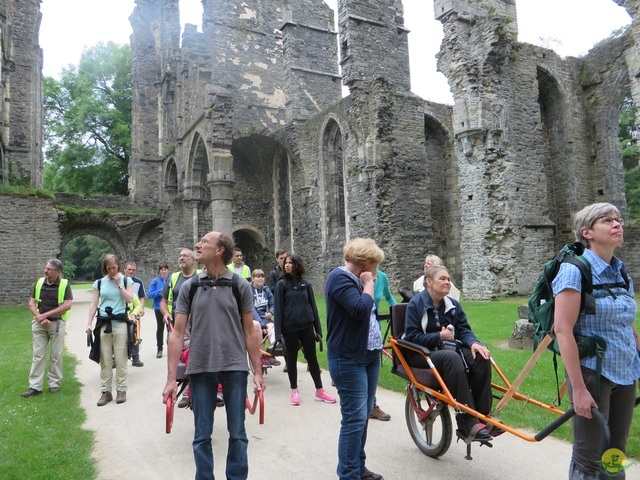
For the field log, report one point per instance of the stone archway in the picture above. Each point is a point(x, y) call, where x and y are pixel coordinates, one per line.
point(253, 246)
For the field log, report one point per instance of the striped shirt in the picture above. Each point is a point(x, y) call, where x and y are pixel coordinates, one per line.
point(613, 319)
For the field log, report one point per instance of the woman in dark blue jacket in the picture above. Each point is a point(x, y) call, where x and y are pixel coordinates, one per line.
point(433, 317)
point(354, 343)
point(298, 322)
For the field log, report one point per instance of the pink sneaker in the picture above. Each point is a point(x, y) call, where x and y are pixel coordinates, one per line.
point(295, 397)
point(323, 396)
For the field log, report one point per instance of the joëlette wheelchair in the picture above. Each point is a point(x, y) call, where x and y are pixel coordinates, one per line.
point(428, 399)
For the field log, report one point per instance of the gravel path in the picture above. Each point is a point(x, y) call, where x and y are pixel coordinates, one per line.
point(294, 443)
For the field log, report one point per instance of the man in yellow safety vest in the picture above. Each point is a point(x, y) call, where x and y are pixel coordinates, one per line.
point(50, 304)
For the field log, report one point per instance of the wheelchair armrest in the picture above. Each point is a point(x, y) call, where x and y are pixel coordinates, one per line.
point(414, 346)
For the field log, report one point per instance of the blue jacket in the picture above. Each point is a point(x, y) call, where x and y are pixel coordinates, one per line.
point(155, 288)
point(263, 302)
point(450, 312)
point(348, 315)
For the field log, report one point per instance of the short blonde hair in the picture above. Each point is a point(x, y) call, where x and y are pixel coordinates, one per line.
point(363, 250)
point(257, 273)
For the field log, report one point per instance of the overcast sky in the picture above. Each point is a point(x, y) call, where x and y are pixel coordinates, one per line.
point(570, 27)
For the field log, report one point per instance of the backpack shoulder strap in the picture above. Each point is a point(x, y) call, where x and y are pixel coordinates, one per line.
point(588, 302)
point(195, 284)
point(235, 278)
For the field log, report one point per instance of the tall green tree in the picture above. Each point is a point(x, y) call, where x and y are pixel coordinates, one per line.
point(87, 123)
point(83, 255)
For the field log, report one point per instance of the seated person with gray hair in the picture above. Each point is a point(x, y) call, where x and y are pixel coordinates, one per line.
point(438, 322)
point(429, 261)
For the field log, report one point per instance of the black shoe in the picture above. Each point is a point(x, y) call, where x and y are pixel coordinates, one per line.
point(477, 432)
point(32, 392)
point(136, 362)
point(113, 363)
point(159, 354)
point(369, 475)
point(184, 402)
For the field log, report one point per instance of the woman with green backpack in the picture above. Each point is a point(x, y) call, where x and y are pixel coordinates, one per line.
point(600, 228)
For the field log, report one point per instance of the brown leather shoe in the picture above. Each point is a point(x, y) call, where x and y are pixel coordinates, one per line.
point(105, 398)
point(378, 414)
point(121, 397)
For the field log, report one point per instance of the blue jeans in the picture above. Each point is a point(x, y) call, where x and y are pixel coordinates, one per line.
point(204, 388)
point(356, 383)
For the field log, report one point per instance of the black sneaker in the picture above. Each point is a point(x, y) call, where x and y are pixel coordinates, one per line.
point(369, 475)
point(136, 362)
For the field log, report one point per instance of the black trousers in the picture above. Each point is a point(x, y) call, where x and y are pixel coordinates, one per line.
point(160, 326)
point(307, 339)
point(472, 389)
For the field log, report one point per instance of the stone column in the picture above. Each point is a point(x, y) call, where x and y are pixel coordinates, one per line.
point(194, 204)
point(220, 182)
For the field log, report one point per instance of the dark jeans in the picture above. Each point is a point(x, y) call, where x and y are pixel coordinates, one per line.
point(616, 404)
point(307, 339)
point(472, 389)
point(204, 389)
point(160, 326)
point(356, 383)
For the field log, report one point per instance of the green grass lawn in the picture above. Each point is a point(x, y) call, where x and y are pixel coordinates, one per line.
point(40, 437)
point(29, 424)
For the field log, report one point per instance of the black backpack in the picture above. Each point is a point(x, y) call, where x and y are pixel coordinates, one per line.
point(220, 282)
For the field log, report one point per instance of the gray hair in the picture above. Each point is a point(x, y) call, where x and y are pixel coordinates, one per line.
point(432, 259)
point(56, 263)
point(589, 215)
point(432, 271)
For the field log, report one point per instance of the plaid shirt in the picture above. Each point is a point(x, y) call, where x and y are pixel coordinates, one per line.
point(612, 321)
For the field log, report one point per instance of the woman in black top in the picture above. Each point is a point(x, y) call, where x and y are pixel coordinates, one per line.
point(298, 323)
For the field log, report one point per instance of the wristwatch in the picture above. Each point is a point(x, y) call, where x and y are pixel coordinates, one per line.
point(120, 286)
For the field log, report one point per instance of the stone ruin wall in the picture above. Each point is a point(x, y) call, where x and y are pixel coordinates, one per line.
point(258, 138)
point(529, 153)
point(503, 148)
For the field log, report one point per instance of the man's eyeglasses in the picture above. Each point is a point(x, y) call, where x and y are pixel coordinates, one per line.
point(608, 221)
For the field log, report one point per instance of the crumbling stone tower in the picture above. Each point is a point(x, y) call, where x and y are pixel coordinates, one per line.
point(536, 139)
point(21, 91)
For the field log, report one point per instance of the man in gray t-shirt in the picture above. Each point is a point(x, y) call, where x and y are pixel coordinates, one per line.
point(222, 335)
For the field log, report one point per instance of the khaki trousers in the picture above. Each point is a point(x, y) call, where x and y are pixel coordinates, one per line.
point(114, 343)
point(42, 334)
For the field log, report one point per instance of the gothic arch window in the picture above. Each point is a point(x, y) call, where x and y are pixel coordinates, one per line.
point(334, 195)
point(556, 162)
point(171, 179)
point(199, 170)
